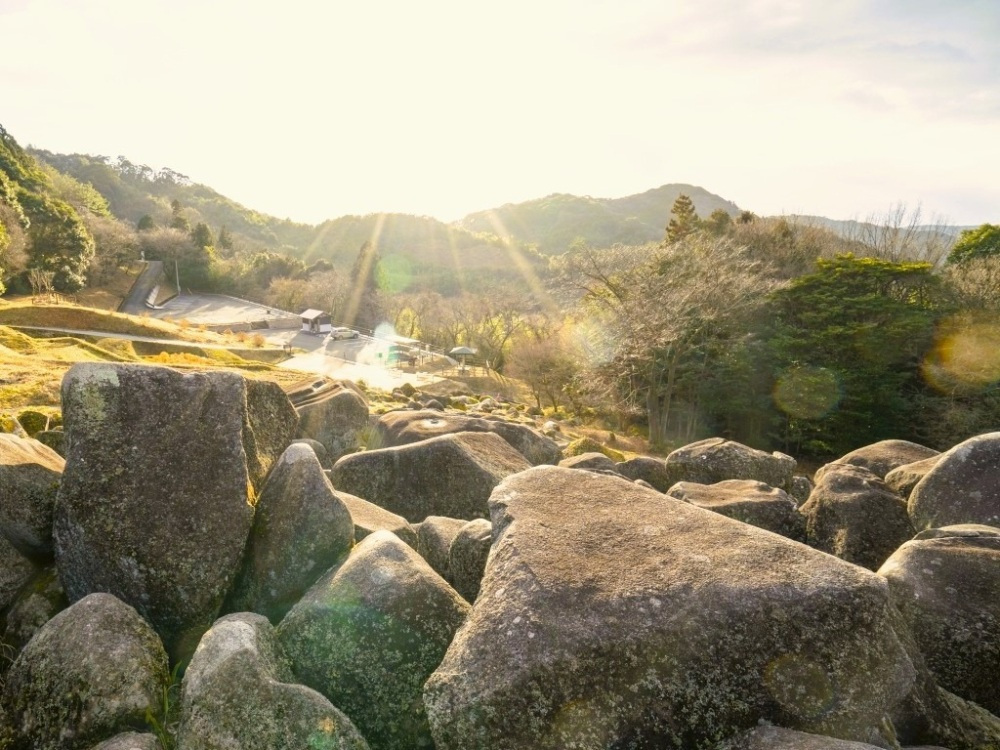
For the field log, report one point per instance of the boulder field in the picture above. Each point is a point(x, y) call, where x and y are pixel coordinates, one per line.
point(192, 572)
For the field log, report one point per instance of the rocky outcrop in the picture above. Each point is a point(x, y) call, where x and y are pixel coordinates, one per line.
point(38, 601)
point(15, 571)
point(745, 500)
point(451, 475)
point(405, 427)
point(715, 460)
point(92, 671)
point(946, 583)
point(238, 692)
point(130, 741)
point(301, 529)
point(690, 628)
point(434, 537)
point(882, 457)
point(852, 514)
point(29, 480)
point(157, 496)
point(467, 557)
point(368, 635)
point(962, 487)
point(332, 413)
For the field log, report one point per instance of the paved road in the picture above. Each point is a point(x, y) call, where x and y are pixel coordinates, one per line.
point(135, 303)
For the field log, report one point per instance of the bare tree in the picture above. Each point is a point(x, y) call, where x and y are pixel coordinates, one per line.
point(900, 234)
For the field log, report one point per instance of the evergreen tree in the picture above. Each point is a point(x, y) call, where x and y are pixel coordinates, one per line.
point(201, 235)
point(178, 220)
point(685, 219)
point(145, 223)
point(225, 240)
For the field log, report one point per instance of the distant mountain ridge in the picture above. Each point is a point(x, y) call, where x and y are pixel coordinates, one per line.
point(553, 223)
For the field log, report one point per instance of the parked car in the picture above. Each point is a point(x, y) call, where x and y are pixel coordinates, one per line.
point(343, 333)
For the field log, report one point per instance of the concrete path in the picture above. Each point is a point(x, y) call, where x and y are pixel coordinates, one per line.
point(135, 303)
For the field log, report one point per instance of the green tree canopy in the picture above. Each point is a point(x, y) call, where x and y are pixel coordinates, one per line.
point(981, 242)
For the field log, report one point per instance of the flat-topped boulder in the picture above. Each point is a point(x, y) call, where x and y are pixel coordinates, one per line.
point(962, 487)
point(852, 514)
point(612, 616)
point(745, 500)
point(157, 496)
point(369, 518)
point(452, 475)
point(648, 469)
point(716, 459)
point(29, 480)
point(591, 461)
point(405, 427)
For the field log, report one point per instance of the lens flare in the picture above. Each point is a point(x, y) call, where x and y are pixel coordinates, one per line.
point(966, 354)
point(807, 392)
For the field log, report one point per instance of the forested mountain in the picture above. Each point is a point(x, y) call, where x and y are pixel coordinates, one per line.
point(553, 223)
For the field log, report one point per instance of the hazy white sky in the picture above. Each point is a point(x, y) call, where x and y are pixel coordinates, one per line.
point(315, 110)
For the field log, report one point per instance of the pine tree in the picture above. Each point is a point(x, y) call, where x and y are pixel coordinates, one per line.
point(685, 219)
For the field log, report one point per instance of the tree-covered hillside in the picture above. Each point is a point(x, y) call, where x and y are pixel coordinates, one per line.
point(555, 222)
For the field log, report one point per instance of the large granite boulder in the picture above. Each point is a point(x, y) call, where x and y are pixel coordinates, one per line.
point(238, 692)
point(434, 537)
point(745, 500)
point(91, 672)
point(852, 514)
point(612, 616)
point(368, 635)
point(716, 459)
point(467, 557)
point(770, 737)
point(963, 487)
point(369, 518)
point(130, 741)
point(451, 475)
point(648, 469)
point(161, 477)
point(29, 480)
point(301, 530)
point(590, 461)
point(882, 457)
point(331, 412)
point(405, 427)
point(946, 583)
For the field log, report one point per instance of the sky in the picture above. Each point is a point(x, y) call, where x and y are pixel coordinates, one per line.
point(311, 110)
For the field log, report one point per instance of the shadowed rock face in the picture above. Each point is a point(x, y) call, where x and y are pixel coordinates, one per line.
point(93, 670)
point(755, 503)
point(611, 616)
point(157, 496)
point(29, 479)
point(451, 475)
point(962, 487)
point(238, 693)
point(852, 514)
point(405, 427)
point(467, 557)
point(368, 635)
point(332, 413)
point(946, 583)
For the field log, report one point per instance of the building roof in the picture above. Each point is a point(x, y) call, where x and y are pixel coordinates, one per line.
point(311, 314)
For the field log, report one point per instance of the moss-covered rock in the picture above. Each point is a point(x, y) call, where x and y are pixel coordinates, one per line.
point(434, 537)
point(158, 493)
point(91, 672)
point(583, 445)
point(612, 616)
point(882, 457)
point(369, 518)
point(33, 421)
point(852, 514)
point(30, 474)
point(648, 469)
point(130, 741)
point(15, 571)
point(37, 602)
point(593, 461)
point(715, 460)
point(238, 692)
point(301, 529)
point(54, 439)
point(368, 635)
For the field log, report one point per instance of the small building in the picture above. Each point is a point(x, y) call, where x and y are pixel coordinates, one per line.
point(316, 321)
